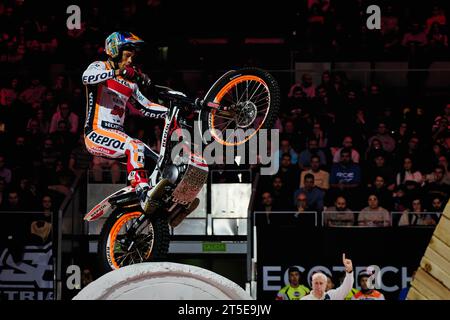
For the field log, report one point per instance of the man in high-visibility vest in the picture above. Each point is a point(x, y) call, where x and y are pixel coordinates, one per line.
point(294, 290)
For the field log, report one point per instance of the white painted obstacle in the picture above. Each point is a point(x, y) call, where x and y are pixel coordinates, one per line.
point(162, 281)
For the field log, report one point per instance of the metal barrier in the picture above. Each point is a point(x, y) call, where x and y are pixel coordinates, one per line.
point(416, 219)
point(68, 202)
point(287, 218)
point(337, 219)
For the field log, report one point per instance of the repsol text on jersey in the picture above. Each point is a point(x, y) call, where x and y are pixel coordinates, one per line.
point(106, 141)
point(102, 76)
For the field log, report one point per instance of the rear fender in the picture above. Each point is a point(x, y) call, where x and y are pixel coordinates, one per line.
point(105, 206)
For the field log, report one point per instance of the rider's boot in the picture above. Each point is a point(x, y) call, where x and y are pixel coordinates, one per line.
point(146, 194)
point(139, 180)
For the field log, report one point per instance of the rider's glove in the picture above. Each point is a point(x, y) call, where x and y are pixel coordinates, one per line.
point(128, 73)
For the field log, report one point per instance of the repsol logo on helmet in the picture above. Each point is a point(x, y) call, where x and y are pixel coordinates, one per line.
point(106, 141)
point(101, 76)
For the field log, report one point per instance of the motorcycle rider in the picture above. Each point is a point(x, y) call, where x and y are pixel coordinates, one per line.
point(109, 86)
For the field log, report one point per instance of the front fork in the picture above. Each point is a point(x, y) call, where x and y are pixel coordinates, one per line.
point(129, 240)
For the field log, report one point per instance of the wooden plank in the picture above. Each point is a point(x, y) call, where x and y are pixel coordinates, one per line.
point(424, 290)
point(413, 294)
point(440, 247)
point(433, 284)
point(438, 260)
point(443, 230)
point(435, 271)
point(446, 212)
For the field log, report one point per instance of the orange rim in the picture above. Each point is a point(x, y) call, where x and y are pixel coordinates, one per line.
point(226, 89)
point(115, 231)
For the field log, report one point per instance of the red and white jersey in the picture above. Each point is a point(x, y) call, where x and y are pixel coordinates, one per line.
point(107, 97)
point(371, 295)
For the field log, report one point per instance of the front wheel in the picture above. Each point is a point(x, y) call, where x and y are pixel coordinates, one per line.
point(117, 248)
point(251, 97)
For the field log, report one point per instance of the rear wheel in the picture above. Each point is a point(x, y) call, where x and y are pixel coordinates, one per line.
point(117, 248)
point(252, 99)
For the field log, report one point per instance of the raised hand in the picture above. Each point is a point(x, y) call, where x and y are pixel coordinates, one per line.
point(347, 264)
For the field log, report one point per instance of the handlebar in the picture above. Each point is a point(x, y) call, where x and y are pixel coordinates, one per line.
point(197, 103)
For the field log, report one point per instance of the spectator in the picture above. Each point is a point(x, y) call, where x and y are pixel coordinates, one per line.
point(49, 156)
point(375, 148)
point(416, 215)
point(267, 206)
point(321, 177)
point(13, 202)
point(27, 193)
point(34, 93)
point(440, 129)
point(383, 135)
point(408, 173)
point(44, 125)
point(62, 185)
point(288, 173)
point(64, 113)
point(437, 17)
point(313, 194)
point(47, 206)
point(301, 202)
point(305, 156)
point(415, 38)
point(437, 40)
point(414, 152)
point(280, 195)
point(383, 194)
point(294, 290)
point(436, 185)
point(49, 104)
point(346, 143)
point(374, 99)
point(291, 134)
point(101, 167)
point(402, 136)
point(442, 161)
point(330, 283)
point(319, 284)
point(437, 121)
point(366, 293)
point(437, 152)
point(5, 172)
point(303, 216)
point(345, 176)
point(437, 205)
point(285, 147)
point(307, 86)
point(319, 135)
point(374, 215)
point(339, 214)
point(390, 31)
point(80, 158)
point(380, 168)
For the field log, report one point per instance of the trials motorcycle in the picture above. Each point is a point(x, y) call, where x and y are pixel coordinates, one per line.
point(247, 98)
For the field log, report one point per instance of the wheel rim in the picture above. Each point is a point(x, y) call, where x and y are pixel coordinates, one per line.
point(250, 96)
point(117, 249)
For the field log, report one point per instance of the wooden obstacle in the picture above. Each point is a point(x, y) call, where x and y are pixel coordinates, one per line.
point(432, 279)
